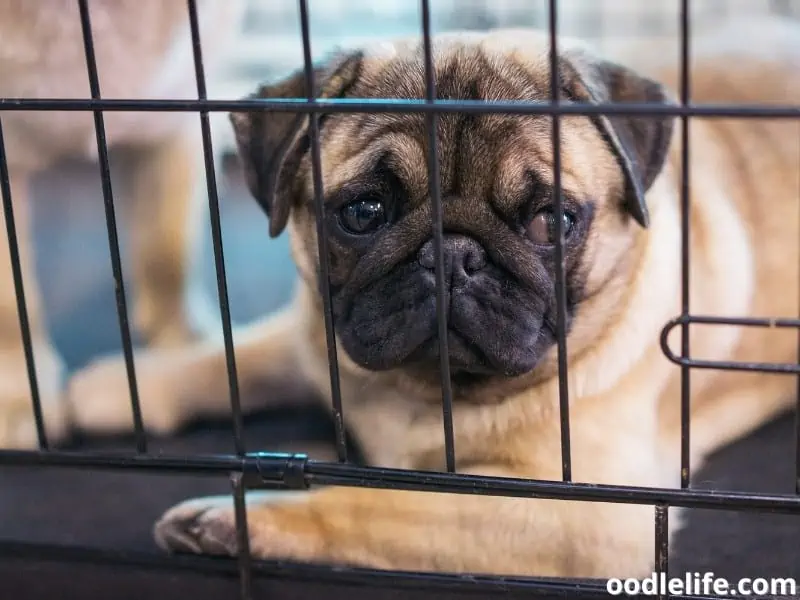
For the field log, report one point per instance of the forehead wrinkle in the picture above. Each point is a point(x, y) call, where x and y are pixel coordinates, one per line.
point(538, 144)
point(401, 78)
point(381, 126)
point(511, 178)
point(451, 153)
point(515, 77)
point(376, 123)
point(405, 156)
point(479, 156)
point(460, 71)
point(510, 182)
point(571, 180)
point(340, 168)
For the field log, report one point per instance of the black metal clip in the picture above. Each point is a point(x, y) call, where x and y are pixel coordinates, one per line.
point(286, 470)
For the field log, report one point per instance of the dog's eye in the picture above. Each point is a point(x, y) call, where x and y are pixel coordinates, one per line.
point(543, 227)
point(363, 216)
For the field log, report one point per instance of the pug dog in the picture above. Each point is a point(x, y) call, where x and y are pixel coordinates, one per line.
point(621, 183)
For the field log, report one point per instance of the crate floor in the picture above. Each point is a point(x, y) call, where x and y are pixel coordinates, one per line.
point(116, 510)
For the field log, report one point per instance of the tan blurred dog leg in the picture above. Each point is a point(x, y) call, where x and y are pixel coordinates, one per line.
point(178, 385)
point(164, 229)
point(17, 422)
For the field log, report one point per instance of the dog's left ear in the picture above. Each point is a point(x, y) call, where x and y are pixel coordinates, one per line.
point(640, 142)
point(271, 144)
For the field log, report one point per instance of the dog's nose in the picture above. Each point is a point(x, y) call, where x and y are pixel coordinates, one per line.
point(462, 255)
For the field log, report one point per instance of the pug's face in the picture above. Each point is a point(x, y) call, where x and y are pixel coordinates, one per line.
point(497, 193)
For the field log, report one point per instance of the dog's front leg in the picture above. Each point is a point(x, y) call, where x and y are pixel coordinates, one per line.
point(181, 384)
point(423, 531)
point(17, 423)
point(165, 225)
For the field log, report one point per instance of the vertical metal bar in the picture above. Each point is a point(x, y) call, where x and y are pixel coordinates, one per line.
point(216, 233)
point(662, 547)
point(797, 412)
point(243, 556)
point(561, 293)
point(111, 226)
point(685, 264)
point(322, 238)
point(432, 123)
point(19, 288)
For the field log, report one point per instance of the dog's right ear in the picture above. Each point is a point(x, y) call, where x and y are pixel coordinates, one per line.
point(640, 143)
point(271, 144)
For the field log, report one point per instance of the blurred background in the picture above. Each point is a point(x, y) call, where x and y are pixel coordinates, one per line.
point(271, 43)
point(71, 239)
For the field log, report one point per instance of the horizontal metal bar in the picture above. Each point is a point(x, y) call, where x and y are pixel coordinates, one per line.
point(350, 105)
point(292, 471)
point(737, 321)
point(280, 469)
point(341, 575)
point(723, 365)
point(332, 474)
point(208, 464)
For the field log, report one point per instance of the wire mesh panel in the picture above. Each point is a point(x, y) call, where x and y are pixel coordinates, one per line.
point(252, 470)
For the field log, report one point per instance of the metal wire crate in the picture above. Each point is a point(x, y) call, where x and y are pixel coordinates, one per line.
point(250, 470)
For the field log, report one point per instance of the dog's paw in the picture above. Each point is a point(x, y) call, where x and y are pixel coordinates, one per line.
point(100, 401)
point(200, 526)
point(18, 429)
point(208, 526)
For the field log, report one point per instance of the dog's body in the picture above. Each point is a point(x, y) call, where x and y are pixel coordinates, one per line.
point(143, 51)
point(623, 279)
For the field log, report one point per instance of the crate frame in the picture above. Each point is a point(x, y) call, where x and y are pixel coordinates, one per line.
point(248, 470)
